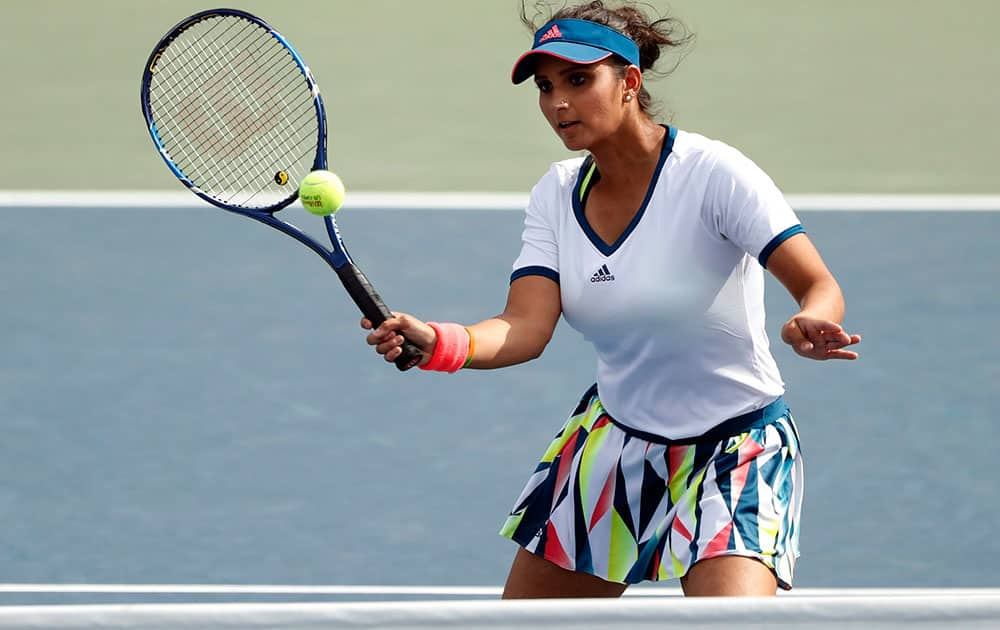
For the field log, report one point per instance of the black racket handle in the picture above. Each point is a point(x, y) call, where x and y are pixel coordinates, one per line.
point(375, 310)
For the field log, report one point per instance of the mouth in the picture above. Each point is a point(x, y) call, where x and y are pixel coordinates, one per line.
point(568, 124)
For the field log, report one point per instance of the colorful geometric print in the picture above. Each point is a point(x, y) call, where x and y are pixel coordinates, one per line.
point(614, 505)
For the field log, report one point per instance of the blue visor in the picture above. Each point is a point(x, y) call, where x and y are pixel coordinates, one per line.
point(578, 41)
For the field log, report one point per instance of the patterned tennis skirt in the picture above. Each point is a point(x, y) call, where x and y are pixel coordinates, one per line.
point(608, 502)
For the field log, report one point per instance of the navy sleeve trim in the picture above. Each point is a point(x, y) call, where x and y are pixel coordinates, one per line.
point(778, 240)
point(535, 270)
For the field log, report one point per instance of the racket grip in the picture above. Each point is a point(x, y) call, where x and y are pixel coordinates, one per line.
point(375, 310)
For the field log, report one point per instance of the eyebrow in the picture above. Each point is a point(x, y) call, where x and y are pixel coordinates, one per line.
point(573, 68)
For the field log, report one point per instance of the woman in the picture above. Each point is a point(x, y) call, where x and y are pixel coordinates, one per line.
point(682, 460)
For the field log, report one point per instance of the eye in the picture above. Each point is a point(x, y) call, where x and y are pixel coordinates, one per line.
point(544, 85)
point(577, 79)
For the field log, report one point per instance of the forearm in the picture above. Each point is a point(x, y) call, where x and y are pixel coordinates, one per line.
point(823, 300)
point(507, 340)
point(517, 335)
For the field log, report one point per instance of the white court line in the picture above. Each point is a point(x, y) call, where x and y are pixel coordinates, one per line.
point(752, 613)
point(475, 200)
point(449, 591)
point(252, 589)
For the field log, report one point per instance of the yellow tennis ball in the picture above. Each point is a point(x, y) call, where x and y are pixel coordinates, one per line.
point(321, 192)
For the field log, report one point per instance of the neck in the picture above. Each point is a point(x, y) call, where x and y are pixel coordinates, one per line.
point(631, 153)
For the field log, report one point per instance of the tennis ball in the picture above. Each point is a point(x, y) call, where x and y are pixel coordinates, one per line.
point(322, 192)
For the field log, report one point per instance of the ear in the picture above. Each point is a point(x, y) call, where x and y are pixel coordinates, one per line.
point(632, 82)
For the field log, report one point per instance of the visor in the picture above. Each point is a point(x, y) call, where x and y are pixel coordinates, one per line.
point(578, 41)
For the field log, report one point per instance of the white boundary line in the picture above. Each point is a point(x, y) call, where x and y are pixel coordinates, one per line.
point(476, 201)
point(592, 614)
point(447, 591)
point(252, 589)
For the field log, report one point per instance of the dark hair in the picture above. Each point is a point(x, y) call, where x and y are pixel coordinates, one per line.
point(653, 35)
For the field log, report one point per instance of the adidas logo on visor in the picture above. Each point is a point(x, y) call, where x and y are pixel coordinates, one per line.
point(552, 33)
point(603, 274)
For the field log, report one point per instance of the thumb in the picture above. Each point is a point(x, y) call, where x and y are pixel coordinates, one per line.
point(415, 330)
point(794, 336)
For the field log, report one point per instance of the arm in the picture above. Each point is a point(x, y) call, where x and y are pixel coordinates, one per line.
point(815, 331)
point(517, 335)
point(524, 328)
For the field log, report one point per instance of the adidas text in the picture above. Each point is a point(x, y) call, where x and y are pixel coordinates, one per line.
point(603, 274)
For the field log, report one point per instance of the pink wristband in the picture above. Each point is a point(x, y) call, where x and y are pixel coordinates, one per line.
point(452, 347)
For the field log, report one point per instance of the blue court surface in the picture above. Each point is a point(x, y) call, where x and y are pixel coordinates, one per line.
point(187, 398)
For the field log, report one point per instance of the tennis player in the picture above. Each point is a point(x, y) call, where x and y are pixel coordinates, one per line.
point(682, 460)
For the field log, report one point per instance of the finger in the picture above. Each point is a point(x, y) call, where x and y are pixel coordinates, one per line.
point(377, 338)
point(829, 327)
point(379, 335)
point(817, 330)
point(396, 322)
point(794, 336)
point(842, 340)
point(833, 333)
point(790, 332)
point(841, 354)
point(367, 325)
point(833, 340)
point(390, 344)
point(393, 348)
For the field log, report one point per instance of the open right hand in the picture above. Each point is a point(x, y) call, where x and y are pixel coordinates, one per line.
point(388, 337)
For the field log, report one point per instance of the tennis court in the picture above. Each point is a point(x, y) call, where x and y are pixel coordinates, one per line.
point(190, 407)
point(197, 405)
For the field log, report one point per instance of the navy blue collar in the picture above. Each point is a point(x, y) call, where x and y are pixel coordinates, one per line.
point(589, 175)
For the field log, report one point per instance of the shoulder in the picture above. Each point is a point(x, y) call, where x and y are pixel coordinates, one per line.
point(698, 151)
point(562, 174)
point(555, 188)
point(723, 169)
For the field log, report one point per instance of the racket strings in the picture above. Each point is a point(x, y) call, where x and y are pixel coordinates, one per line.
point(183, 89)
point(233, 109)
point(194, 61)
point(253, 127)
point(220, 146)
point(233, 102)
point(245, 79)
point(184, 76)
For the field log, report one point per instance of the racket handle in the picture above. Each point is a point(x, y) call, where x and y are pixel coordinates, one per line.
point(375, 310)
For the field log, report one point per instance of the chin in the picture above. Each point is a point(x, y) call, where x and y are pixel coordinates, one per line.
point(574, 144)
point(577, 139)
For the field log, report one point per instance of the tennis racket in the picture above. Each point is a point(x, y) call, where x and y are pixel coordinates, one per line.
point(235, 113)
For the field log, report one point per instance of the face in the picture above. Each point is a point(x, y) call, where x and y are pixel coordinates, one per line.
point(583, 103)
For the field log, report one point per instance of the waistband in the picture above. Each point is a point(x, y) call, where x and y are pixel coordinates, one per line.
point(727, 428)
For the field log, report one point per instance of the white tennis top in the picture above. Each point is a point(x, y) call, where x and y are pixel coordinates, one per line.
point(675, 307)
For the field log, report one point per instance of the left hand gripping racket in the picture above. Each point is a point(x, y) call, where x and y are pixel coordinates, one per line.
point(236, 114)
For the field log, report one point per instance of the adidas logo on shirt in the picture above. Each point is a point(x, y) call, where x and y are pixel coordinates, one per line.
point(603, 274)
